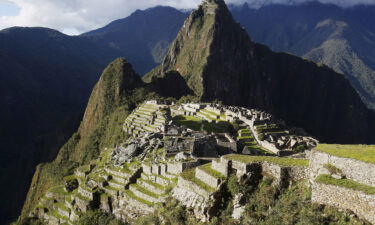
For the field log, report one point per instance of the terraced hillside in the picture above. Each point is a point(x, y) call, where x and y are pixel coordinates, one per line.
point(188, 152)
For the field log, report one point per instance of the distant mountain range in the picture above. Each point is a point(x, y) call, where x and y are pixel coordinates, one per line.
point(343, 39)
point(46, 76)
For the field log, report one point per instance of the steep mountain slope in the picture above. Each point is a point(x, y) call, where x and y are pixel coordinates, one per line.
point(343, 39)
point(219, 61)
point(143, 37)
point(45, 80)
point(116, 94)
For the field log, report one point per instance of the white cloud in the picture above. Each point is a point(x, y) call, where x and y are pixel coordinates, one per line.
point(77, 16)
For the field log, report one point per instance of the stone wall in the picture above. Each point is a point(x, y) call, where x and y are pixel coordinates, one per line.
point(179, 167)
point(192, 200)
point(356, 170)
point(87, 194)
point(297, 173)
point(222, 167)
point(279, 173)
point(147, 169)
point(207, 178)
point(190, 186)
point(142, 195)
point(135, 206)
point(175, 168)
point(361, 204)
point(82, 204)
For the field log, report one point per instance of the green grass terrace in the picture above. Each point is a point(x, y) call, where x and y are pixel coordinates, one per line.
point(345, 183)
point(365, 153)
point(270, 159)
point(190, 176)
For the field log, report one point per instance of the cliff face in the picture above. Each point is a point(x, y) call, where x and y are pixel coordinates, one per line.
point(219, 61)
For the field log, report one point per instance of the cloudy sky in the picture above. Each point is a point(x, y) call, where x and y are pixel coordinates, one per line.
point(77, 16)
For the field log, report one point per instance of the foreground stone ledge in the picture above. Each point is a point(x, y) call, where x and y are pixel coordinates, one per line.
point(353, 169)
point(360, 203)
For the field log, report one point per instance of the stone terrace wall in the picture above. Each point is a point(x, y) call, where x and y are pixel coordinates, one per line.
point(297, 173)
point(207, 178)
point(361, 204)
point(179, 167)
point(356, 170)
point(190, 186)
point(222, 167)
point(279, 173)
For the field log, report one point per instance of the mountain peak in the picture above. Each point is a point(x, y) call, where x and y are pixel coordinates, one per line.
point(117, 79)
point(201, 48)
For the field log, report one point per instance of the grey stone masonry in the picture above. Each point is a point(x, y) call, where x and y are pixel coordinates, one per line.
point(207, 178)
point(279, 173)
point(175, 168)
point(150, 187)
point(86, 193)
point(82, 204)
point(356, 170)
point(142, 195)
point(117, 173)
point(164, 181)
point(179, 167)
point(147, 169)
point(358, 202)
point(135, 205)
point(121, 180)
point(297, 173)
point(64, 212)
point(190, 186)
point(156, 169)
point(221, 167)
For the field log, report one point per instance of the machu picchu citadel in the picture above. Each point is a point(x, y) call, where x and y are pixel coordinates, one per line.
point(189, 151)
point(224, 131)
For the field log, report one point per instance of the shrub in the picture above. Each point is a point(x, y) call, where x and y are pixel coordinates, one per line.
point(98, 218)
point(300, 148)
point(261, 136)
point(233, 185)
point(332, 169)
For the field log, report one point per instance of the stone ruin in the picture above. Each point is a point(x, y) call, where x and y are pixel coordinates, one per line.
point(128, 180)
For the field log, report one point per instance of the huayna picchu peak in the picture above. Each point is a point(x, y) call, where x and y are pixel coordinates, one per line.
point(224, 131)
point(219, 61)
